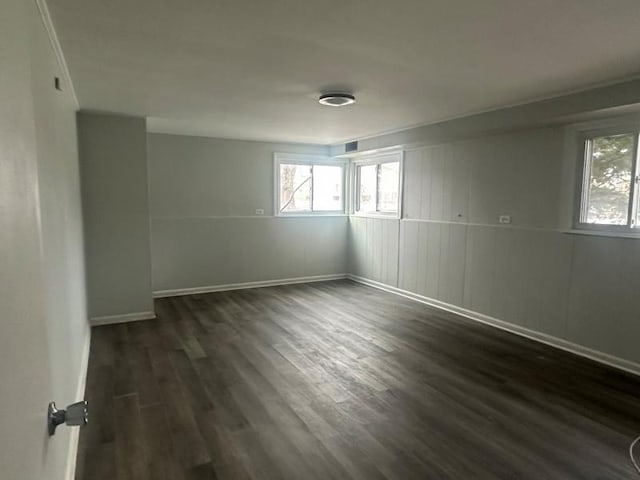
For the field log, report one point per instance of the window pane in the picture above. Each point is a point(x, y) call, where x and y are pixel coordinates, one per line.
point(327, 188)
point(295, 188)
point(367, 175)
point(389, 180)
point(608, 186)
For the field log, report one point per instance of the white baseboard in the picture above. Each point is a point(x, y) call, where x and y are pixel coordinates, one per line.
point(127, 317)
point(580, 350)
point(74, 436)
point(241, 286)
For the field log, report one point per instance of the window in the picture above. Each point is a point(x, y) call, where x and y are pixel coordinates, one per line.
point(308, 185)
point(377, 188)
point(609, 190)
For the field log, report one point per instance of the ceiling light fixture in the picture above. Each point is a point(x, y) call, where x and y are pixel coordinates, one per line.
point(337, 99)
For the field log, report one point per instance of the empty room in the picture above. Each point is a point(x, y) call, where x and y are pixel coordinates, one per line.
point(297, 240)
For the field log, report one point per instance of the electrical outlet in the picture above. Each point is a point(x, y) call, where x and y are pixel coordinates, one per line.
point(505, 218)
point(259, 211)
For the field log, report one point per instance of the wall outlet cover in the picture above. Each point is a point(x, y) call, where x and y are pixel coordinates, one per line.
point(505, 218)
point(259, 211)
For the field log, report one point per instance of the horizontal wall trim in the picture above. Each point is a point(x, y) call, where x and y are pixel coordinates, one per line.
point(127, 317)
point(241, 286)
point(379, 216)
point(74, 436)
point(416, 220)
point(507, 226)
point(552, 341)
point(595, 233)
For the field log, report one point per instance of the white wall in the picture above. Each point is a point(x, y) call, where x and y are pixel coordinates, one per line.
point(204, 230)
point(450, 247)
point(113, 155)
point(43, 325)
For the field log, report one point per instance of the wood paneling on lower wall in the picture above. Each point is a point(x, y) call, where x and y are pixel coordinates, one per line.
point(373, 248)
point(532, 273)
point(575, 288)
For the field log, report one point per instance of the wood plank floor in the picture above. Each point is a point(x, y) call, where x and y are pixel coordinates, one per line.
point(337, 380)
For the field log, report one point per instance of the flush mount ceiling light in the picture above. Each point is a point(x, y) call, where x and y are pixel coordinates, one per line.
point(337, 99)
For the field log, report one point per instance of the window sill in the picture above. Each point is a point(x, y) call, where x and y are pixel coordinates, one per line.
point(297, 215)
point(599, 233)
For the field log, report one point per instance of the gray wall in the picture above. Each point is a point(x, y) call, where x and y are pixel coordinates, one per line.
point(203, 196)
point(531, 273)
point(113, 154)
point(43, 324)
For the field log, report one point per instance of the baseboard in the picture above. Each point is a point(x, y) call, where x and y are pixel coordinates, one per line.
point(127, 317)
point(74, 436)
point(241, 286)
point(595, 355)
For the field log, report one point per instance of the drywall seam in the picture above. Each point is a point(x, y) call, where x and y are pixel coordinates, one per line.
point(243, 217)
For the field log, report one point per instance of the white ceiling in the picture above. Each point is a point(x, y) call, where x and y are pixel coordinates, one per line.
point(254, 68)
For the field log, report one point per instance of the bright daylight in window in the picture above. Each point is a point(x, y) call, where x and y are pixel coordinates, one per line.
point(609, 184)
point(378, 187)
point(311, 188)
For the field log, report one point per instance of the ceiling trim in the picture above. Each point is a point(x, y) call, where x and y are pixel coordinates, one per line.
point(57, 49)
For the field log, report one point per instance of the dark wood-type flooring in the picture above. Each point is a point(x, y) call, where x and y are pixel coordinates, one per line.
point(337, 380)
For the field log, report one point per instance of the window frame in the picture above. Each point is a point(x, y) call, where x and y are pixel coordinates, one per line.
point(377, 159)
point(303, 159)
point(584, 136)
